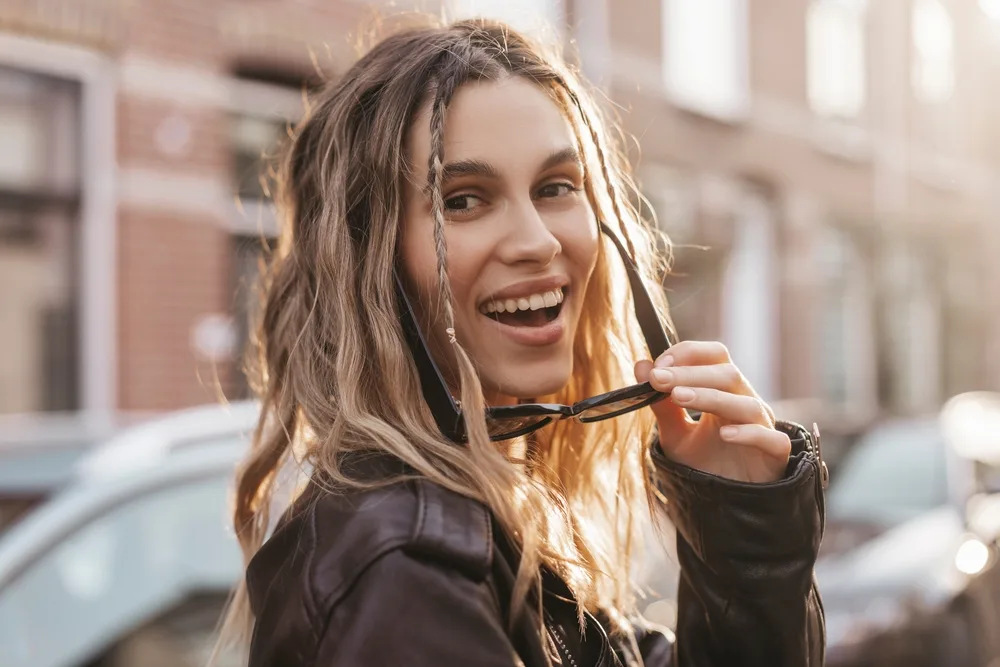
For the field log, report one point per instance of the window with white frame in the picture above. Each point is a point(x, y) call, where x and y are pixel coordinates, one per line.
point(705, 49)
point(261, 114)
point(540, 18)
point(39, 242)
point(749, 306)
point(836, 57)
point(933, 35)
point(844, 334)
point(911, 324)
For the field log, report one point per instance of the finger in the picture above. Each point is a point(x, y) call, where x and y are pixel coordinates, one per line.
point(728, 407)
point(694, 353)
point(674, 422)
point(771, 442)
point(642, 369)
point(725, 377)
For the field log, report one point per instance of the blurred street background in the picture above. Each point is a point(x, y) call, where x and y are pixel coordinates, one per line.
point(829, 171)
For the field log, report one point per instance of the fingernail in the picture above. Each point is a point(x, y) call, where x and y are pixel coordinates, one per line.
point(682, 395)
point(662, 376)
point(729, 432)
point(666, 361)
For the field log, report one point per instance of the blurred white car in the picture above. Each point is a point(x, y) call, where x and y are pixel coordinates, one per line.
point(908, 570)
point(132, 564)
point(133, 561)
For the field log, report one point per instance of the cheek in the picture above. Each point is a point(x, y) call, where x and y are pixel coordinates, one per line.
point(580, 244)
point(419, 257)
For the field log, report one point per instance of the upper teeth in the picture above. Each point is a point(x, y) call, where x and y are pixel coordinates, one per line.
point(532, 302)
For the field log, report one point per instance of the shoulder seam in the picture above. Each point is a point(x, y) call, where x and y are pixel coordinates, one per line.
point(308, 600)
point(431, 533)
point(331, 603)
point(324, 605)
point(424, 539)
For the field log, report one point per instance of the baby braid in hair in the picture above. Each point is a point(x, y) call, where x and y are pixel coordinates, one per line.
point(446, 85)
point(435, 173)
point(471, 403)
point(595, 137)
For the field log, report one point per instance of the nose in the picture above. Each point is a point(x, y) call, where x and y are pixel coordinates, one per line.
point(528, 239)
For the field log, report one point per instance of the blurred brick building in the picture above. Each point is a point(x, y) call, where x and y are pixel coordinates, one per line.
point(827, 169)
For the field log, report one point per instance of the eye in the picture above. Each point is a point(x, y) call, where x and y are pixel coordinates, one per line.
point(461, 203)
point(553, 190)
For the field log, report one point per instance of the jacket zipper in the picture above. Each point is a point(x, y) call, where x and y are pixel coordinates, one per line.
point(561, 645)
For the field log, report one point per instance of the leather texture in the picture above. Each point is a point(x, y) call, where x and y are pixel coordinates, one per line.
point(415, 575)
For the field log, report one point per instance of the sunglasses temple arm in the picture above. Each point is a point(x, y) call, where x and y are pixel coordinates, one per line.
point(435, 389)
point(649, 322)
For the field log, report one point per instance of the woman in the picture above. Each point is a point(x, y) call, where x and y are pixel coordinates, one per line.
point(460, 273)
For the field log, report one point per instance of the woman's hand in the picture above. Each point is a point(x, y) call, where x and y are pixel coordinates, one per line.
point(735, 436)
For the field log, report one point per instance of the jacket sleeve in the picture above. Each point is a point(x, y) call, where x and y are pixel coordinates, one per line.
point(746, 594)
point(405, 611)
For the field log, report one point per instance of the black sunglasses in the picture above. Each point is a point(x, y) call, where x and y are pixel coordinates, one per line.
point(511, 421)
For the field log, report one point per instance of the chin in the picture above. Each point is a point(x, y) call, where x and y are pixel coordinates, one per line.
point(530, 381)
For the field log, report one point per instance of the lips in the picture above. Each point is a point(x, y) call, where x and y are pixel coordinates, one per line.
point(529, 313)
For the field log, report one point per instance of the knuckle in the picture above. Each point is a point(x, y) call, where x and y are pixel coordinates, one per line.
point(681, 349)
point(756, 409)
point(764, 415)
point(721, 350)
point(731, 374)
point(768, 413)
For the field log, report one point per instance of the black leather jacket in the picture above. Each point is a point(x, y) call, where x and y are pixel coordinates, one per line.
point(414, 575)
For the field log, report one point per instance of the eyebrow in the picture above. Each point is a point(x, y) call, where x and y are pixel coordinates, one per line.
point(485, 169)
point(564, 156)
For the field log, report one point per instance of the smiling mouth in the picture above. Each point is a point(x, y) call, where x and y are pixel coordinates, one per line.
point(535, 310)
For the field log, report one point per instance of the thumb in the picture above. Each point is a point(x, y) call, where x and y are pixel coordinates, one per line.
point(672, 420)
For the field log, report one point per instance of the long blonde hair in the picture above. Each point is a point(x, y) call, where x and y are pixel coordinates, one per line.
point(330, 363)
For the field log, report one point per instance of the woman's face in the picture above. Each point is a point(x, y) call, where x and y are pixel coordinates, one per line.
point(521, 236)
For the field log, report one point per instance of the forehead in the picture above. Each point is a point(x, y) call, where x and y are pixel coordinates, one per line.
point(510, 123)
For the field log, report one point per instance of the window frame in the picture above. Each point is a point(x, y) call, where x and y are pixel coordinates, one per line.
point(858, 10)
point(96, 216)
point(920, 61)
point(733, 111)
point(253, 220)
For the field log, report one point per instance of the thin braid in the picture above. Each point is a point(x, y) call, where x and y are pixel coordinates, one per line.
point(435, 174)
point(595, 137)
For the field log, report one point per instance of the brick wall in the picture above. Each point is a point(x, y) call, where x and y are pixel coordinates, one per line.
point(175, 158)
point(174, 240)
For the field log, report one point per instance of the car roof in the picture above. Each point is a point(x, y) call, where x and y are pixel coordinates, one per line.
point(184, 446)
point(39, 453)
point(149, 444)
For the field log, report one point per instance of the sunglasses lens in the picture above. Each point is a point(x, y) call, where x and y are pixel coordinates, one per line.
point(511, 427)
point(621, 406)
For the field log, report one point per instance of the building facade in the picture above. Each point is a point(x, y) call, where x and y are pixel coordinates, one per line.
point(827, 170)
point(828, 173)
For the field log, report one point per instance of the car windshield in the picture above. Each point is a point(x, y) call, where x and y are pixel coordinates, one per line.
point(895, 473)
point(116, 553)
